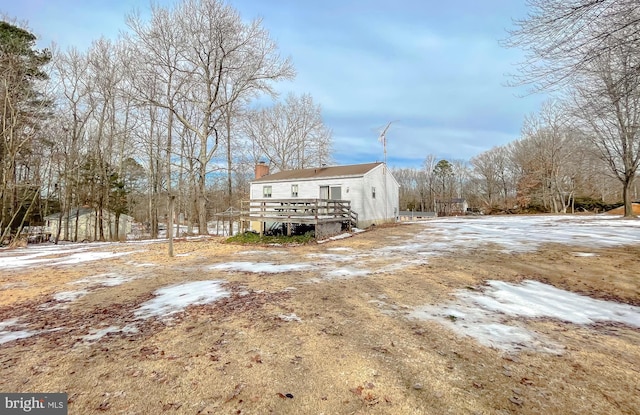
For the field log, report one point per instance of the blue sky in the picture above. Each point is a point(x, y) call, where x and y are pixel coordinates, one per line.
point(434, 68)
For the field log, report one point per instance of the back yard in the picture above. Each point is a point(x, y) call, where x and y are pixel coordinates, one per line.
point(483, 315)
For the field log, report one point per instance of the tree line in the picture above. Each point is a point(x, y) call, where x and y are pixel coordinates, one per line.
point(583, 147)
point(166, 121)
point(551, 168)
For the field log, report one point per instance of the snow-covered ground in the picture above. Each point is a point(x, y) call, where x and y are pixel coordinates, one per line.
point(527, 233)
point(438, 236)
point(486, 315)
point(167, 302)
point(35, 255)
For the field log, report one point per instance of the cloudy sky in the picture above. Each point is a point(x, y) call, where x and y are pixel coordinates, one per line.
point(433, 67)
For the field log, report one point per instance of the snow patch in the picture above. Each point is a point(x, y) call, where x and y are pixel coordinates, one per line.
point(109, 279)
point(527, 233)
point(335, 238)
point(68, 296)
point(260, 267)
point(26, 257)
point(486, 315)
point(347, 273)
point(331, 257)
point(97, 334)
point(11, 335)
point(7, 336)
point(65, 256)
point(289, 317)
point(81, 257)
point(175, 298)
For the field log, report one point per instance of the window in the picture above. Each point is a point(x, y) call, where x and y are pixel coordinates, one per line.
point(373, 192)
point(266, 191)
point(336, 193)
point(294, 190)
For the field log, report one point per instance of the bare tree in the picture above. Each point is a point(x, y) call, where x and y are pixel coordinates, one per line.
point(551, 149)
point(591, 48)
point(409, 180)
point(74, 112)
point(428, 188)
point(106, 77)
point(486, 174)
point(608, 111)
point(215, 50)
point(291, 135)
point(563, 38)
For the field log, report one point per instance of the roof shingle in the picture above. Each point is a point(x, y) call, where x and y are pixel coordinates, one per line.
point(320, 172)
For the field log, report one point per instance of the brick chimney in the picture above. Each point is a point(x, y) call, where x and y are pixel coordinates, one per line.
point(262, 169)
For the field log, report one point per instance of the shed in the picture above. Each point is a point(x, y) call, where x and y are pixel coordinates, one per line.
point(82, 224)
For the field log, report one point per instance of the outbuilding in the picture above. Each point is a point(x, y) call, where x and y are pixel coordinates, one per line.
point(83, 224)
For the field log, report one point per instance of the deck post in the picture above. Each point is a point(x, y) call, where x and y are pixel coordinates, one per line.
point(263, 224)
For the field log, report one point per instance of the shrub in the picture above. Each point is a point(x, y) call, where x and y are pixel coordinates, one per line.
point(254, 238)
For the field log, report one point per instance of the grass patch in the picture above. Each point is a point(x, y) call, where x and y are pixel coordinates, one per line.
point(255, 239)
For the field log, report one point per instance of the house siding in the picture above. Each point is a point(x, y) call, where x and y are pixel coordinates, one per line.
point(384, 208)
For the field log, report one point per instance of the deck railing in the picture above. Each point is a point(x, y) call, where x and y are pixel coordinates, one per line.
point(309, 211)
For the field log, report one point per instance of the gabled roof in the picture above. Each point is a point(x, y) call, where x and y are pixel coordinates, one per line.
point(72, 213)
point(320, 173)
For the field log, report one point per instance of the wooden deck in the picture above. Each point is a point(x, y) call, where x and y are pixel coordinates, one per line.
point(298, 211)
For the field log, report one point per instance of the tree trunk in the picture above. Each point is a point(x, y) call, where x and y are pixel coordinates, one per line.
point(626, 195)
point(116, 235)
point(59, 226)
point(171, 197)
point(75, 233)
point(202, 181)
point(202, 206)
point(229, 166)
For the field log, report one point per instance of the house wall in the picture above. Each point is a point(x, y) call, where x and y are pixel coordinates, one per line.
point(384, 208)
point(307, 189)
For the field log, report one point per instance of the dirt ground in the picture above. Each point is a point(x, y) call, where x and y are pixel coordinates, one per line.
point(353, 350)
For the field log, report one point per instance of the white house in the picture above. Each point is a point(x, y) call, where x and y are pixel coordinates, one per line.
point(370, 188)
point(85, 221)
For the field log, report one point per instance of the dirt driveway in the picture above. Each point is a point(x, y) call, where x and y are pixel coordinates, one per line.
point(331, 328)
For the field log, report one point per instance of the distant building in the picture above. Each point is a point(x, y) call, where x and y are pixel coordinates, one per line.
point(82, 224)
point(415, 215)
point(451, 207)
